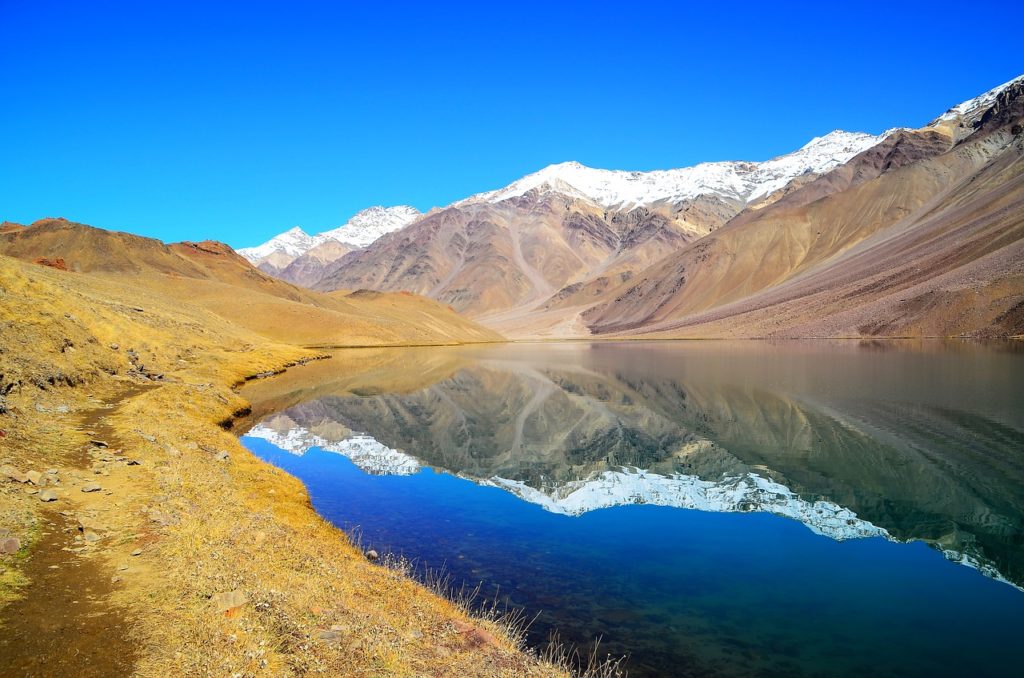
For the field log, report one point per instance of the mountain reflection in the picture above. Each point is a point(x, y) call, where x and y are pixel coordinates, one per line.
point(848, 447)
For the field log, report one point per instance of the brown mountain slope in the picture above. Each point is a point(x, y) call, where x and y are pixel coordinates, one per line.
point(931, 245)
point(212, 277)
point(488, 259)
point(309, 268)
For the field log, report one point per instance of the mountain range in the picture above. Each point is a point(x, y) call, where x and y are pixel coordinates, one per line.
point(293, 254)
point(910, 232)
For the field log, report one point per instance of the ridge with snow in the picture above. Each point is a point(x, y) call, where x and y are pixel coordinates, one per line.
point(361, 230)
point(971, 108)
point(735, 180)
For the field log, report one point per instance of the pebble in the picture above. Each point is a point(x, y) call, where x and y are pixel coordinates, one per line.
point(91, 487)
point(10, 545)
point(372, 555)
point(137, 552)
point(47, 495)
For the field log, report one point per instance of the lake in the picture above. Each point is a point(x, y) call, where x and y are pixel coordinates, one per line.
point(706, 508)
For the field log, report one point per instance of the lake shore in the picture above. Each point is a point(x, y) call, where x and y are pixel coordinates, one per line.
point(164, 531)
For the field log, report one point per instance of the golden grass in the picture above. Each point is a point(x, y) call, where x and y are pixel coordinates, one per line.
point(204, 526)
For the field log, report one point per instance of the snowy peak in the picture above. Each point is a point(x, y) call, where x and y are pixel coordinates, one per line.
point(293, 242)
point(361, 230)
point(973, 108)
point(742, 181)
point(370, 224)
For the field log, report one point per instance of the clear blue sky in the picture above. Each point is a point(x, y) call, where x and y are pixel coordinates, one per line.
point(183, 121)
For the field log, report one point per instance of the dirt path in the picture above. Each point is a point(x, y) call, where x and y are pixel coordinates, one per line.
point(65, 623)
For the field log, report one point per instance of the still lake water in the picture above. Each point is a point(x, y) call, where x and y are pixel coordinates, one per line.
point(708, 508)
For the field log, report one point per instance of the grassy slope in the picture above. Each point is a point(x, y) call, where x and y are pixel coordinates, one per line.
point(205, 526)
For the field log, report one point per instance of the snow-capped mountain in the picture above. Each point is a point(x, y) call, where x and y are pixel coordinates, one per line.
point(743, 181)
point(293, 242)
point(971, 108)
point(370, 224)
point(361, 230)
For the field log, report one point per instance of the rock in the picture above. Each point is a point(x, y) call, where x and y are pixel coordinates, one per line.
point(34, 477)
point(230, 600)
point(10, 545)
point(47, 495)
point(137, 552)
point(91, 487)
point(222, 456)
point(98, 443)
point(132, 462)
point(91, 536)
point(13, 474)
point(63, 409)
point(372, 556)
point(114, 347)
point(331, 637)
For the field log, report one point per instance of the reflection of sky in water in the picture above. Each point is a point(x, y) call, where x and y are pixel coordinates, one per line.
point(765, 450)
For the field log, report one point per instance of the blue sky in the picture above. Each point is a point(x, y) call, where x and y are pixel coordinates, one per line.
point(181, 121)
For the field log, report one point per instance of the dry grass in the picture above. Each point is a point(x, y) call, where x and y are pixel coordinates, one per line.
point(308, 601)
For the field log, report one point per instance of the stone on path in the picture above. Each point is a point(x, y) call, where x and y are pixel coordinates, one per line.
point(91, 487)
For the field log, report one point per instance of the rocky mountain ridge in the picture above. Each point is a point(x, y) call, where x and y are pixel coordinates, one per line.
point(366, 226)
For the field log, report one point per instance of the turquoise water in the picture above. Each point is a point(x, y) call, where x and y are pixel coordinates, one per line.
point(726, 509)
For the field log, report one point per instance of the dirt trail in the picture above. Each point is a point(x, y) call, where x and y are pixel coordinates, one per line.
point(65, 623)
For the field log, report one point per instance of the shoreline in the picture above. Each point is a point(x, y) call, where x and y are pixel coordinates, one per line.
point(467, 645)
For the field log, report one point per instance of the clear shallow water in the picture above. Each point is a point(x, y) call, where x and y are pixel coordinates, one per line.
point(709, 509)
